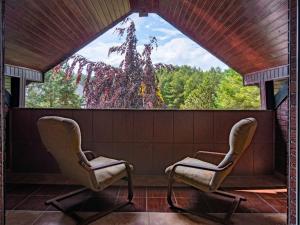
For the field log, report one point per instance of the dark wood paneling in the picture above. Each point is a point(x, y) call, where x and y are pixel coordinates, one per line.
point(42, 33)
point(165, 137)
point(247, 35)
point(28, 74)
point(276, 73)
point(2, 115)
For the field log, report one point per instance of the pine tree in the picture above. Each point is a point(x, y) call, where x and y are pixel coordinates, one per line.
point(55, 92)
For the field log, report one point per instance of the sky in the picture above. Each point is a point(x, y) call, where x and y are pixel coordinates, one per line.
point(173, 46)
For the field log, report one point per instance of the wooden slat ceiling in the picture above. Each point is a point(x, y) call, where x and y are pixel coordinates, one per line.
point(41, 33)
point(247, 35)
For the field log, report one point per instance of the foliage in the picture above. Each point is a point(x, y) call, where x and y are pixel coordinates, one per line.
point(171, 86)
point(204, 94)
point(231, 94)
point(131, 85)
point(55, 92)
point(192, 88)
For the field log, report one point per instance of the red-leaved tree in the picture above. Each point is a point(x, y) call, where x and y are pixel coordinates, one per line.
point(133, 84)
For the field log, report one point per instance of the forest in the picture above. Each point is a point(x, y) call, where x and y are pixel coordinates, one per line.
point(182, 88)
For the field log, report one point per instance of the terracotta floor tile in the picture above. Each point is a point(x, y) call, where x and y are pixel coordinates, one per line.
point(98, 205)
point(69, 188)
point(109, 193)
point(279, 204)
point(273, 194)
point(21, 217)
point(50, 190)
point(139, 205)
point(255, 206)
point(11, 201)
point(138, 192)
point(244, 193)
point(193, 205)
point(34, 203)
point(186, 192)
point(54, 218)
point(158, 205)
point(260, 218)
point(217, 203)
point(157, 192)
point(152, 199)
point(76, 202)
point(177, 219)
point(124, 218)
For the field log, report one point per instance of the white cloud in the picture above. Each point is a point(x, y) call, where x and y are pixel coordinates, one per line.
point(177, 51)
point(169, 32)
point(183, 51)
point(97, 51)
point(162, 38)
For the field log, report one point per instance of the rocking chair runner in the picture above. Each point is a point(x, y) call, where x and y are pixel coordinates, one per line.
point(62, 138)
point(208, 177)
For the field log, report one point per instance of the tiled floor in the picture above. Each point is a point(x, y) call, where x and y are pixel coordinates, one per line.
point(146, 199)
point(140, 218)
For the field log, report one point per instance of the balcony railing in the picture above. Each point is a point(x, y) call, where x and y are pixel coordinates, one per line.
point(150, 140)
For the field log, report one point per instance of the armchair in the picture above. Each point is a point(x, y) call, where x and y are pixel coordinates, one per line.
point(62, 138)
point(208, 177)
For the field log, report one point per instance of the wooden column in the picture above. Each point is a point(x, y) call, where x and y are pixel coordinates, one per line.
point(22, 92)
point(267, 95)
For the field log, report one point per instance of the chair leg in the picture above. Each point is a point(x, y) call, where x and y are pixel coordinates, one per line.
point(236, 202)
point(130, 189)
point(170, 190)
point(226, 220)
point(84, 221)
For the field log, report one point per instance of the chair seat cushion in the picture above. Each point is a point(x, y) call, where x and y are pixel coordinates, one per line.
point(197, 178)
point(109, 175)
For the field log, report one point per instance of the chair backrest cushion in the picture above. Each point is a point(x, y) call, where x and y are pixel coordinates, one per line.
point(62, 138)
point(240, 138)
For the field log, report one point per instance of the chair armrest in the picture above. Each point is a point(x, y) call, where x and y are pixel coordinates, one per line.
point(103, 166)
point(209, 168)
point(89, 153)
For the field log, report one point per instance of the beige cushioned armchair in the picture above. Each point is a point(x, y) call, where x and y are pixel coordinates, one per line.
point(207, 176)
point(62, 138)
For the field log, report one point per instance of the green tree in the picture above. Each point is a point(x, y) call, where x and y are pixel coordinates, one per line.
point(204, 93)
point(55, 92)
point(171, 84)
point(232, 94)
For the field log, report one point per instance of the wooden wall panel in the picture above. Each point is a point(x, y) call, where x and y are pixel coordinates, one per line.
point(150, 140)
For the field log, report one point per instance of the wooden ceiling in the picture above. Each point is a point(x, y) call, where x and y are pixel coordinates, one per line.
point(42, 33)
point(247, 35)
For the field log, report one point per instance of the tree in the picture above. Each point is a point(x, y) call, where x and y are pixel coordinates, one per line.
point(131, 85)
point(176, 84)
point(204, 94)
point(55, 92)
point(231, 94)
point(171, 85)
